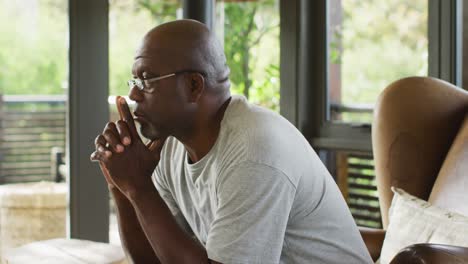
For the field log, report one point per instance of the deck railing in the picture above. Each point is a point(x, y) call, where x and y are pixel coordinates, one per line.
point(30, 126)
point(356, 179)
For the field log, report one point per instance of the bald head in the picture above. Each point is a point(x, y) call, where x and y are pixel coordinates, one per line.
point(188, 45)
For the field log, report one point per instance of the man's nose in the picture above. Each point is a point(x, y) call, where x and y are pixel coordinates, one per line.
point(135, 94)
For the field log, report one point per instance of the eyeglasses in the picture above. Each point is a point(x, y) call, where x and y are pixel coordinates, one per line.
point(144, 85)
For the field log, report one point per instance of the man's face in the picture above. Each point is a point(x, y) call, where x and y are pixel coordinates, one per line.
point(162, 110)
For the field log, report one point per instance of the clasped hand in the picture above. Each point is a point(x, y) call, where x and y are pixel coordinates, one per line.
point(126, 162)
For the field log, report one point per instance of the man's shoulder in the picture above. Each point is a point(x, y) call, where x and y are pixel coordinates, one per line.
point(251, 120)
point(241, 107)
point(260, 128)
point(264, 137)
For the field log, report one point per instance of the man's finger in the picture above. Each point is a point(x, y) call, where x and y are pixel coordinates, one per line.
point(126, 115)
point(97, 156)
point(113, 141)
point(112, 137)
point(124, 132)
point(100, 141)
point(94, 156)
point(102, 146)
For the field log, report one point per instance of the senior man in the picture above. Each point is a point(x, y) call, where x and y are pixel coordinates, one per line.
point(221, 180)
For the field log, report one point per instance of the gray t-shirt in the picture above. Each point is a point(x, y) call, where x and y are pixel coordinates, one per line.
point(261, 194)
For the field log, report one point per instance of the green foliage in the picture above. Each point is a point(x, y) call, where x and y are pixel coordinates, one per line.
point(265, 91)
point(395, 46)
point(34, 52)
point(237, 34)
point(2, 72)
point(251, 43)
point(335, 47)
point(160, 11)
point(125, 36)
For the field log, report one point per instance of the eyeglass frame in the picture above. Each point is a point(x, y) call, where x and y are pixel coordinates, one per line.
point(141, 86)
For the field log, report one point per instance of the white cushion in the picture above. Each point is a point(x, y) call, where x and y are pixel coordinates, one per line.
point(65, 251)
point(412, 220)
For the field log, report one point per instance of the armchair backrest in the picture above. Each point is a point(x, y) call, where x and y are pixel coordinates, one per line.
point(415, 122)
point(450, 189)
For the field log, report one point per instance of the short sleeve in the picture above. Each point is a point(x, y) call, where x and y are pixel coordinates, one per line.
point(165, 193)
point(254, 202)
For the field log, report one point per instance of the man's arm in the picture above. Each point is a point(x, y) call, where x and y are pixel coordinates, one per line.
point(120, 150)
point(134, 240)
point(170, 242)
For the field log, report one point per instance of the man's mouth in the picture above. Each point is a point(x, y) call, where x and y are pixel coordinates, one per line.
point(138, 117)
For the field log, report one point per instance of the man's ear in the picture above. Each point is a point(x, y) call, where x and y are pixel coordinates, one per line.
point(196, 86)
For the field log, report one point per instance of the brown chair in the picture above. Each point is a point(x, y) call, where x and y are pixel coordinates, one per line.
point(420, 144)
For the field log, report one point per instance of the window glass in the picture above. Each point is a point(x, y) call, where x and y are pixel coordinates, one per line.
point(250, 33)
point(33, 81)
point(371, 44)
point(124, 36)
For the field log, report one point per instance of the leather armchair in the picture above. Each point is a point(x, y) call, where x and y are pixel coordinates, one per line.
point(431, 254)
point(419, 138)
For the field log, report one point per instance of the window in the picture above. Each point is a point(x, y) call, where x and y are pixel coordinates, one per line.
point(124, 36)
point(364, 59)
point(33, 82)
point(250, 33)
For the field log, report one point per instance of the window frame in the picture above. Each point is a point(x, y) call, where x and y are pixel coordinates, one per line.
point(304, 69)
point(88, 112)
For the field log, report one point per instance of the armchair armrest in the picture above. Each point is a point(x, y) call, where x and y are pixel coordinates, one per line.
point(373, 238)
point(431, 253)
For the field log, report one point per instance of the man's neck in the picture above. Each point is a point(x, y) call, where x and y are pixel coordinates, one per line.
point(204, 135)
